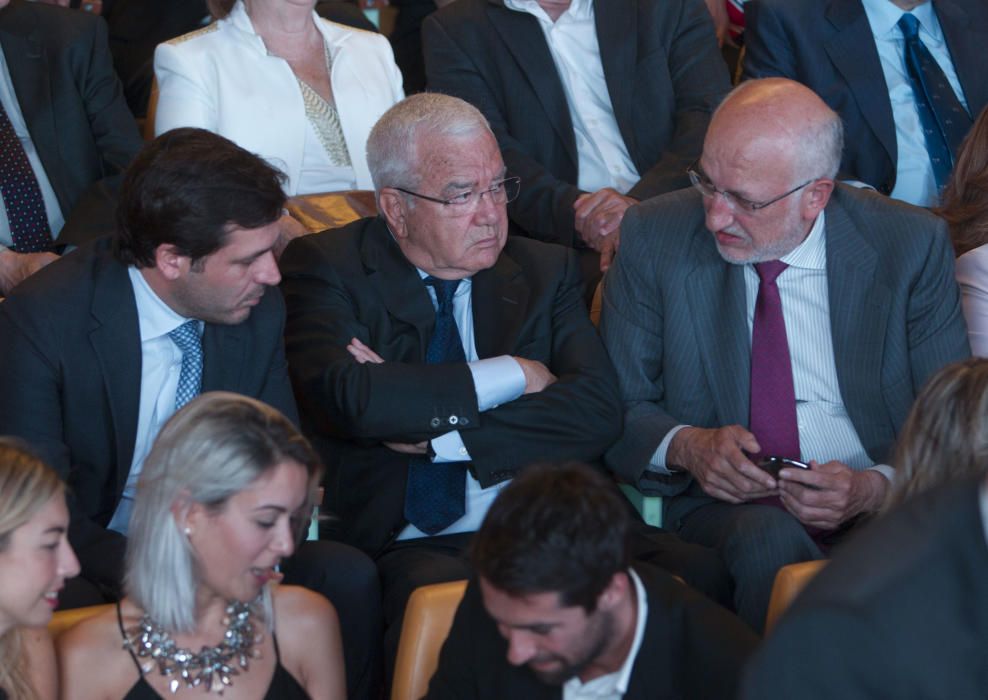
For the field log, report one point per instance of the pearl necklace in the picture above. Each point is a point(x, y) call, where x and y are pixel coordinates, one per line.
point(211, 667)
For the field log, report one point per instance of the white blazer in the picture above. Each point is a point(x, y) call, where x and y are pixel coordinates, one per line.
point(972, 275)
point(221, 78)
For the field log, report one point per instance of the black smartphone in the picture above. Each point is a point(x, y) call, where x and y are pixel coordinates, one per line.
point(772, 465)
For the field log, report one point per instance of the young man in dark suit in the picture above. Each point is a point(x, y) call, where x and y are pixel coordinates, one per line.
point(101, 347)
point(558, 611)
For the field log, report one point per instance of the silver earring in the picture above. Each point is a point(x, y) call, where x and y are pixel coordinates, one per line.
point(188, 531)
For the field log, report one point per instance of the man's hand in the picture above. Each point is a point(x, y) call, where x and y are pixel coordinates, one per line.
point(609, 249)
point(361, 353)
point(16, 267)
point(408, 448)
point(537, 375)
point(839, 493)
point(715, 457)
point(598, 214)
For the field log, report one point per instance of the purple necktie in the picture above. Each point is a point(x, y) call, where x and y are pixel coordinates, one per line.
point(772, 411)
point(29, 230)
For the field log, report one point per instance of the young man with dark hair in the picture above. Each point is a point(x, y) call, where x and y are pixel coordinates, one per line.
point(101, 347)
point(557, 612)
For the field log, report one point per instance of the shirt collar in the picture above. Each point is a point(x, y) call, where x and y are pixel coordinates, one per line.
point(884, 16)
point(578, 9)
point(617, 683)
point(155, 317)
point(464, 288)
point(811, 254)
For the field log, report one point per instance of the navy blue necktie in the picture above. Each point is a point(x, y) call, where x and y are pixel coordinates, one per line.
point(29, 230)
point(435, 494)
point(186, 337)
point(944, 119)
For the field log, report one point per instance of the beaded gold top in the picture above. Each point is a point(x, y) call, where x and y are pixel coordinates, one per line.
point(325, 120)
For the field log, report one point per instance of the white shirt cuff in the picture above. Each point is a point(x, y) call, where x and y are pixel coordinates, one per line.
point(496, 380)
point(658, 462)
point(449, 448)
point(885, 470)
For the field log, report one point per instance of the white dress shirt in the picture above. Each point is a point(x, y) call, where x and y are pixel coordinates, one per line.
point(9, 100)
point(161, 366)
point(825, 429)
point(572, 39)
point(972, 276)
point(496, 380)
point(914, 180)
point(613, 686)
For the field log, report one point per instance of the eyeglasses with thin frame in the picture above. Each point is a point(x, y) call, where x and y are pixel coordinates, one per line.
point(501, 192)
point(703, 184)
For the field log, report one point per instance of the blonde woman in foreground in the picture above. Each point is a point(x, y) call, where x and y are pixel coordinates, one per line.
point(222, 498)
point(35, 560)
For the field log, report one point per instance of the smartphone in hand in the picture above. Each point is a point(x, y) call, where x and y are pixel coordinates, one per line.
point(771, 465)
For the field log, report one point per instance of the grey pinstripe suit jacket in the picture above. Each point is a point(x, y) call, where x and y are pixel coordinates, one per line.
point(674, 324)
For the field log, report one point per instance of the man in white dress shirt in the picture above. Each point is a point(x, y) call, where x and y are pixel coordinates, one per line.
point(595, 105)
point(856, 56)
point(558, 610)
point(772, 313)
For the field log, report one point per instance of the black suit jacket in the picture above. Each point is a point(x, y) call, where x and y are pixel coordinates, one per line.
point(828, 46)
point(70, 369)
point(355, 282)
point(72, 103)
point(692, 648)
point(899, 613)
point(664, 76)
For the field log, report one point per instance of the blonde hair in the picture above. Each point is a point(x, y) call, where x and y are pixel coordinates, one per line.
point(945, 436)
point(212, 449)
point(26, 485)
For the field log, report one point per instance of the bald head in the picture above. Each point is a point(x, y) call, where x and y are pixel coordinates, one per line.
point(782, 123)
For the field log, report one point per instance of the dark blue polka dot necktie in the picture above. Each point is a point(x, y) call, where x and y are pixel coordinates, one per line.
point(186, 337)
point(435, 494)
point(29, 230)
point(942, 116)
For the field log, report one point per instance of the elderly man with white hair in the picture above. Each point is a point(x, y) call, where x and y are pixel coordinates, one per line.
point(771, 318)
point(434, 356)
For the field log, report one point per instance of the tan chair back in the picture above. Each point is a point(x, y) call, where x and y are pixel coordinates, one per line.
point(62, 620)
point(428, 619)
point(789, 582)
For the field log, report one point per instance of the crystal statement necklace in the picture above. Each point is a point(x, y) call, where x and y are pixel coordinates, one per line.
point(212, 667)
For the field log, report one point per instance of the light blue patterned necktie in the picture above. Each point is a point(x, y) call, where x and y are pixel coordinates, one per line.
point(186, 337)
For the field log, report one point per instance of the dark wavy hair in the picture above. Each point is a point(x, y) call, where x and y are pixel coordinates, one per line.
point(965, 199)
point(186, 188)
point(559, 528)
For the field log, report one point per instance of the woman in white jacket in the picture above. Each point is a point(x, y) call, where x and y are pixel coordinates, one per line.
point(280, 81)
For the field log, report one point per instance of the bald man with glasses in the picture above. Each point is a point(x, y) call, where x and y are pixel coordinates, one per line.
point(772, 317)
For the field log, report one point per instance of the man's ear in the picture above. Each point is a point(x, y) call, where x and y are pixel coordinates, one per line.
point(615, 591)
point(393, 206)
point(170, 262)
point(818, 194)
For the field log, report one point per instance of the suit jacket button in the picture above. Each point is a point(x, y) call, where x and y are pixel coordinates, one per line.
point(453, 420)
point(435, 422)
point(464, 421)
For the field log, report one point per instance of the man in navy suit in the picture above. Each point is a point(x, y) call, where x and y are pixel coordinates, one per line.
point(851, 53)
point(66, 107)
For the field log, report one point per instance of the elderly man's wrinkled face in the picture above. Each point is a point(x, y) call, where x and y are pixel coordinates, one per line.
point(454, 241)
point(758, 172)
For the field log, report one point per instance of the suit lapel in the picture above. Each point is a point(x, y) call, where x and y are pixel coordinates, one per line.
point(116, 340)
point(617, 30)
point(715, 290)
point(224, 355)
point(27, 64)
point(523, 37)
point(966, 43)
point(859, 306)
point(852, 50)
point(500, 302)
point(398, 282)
